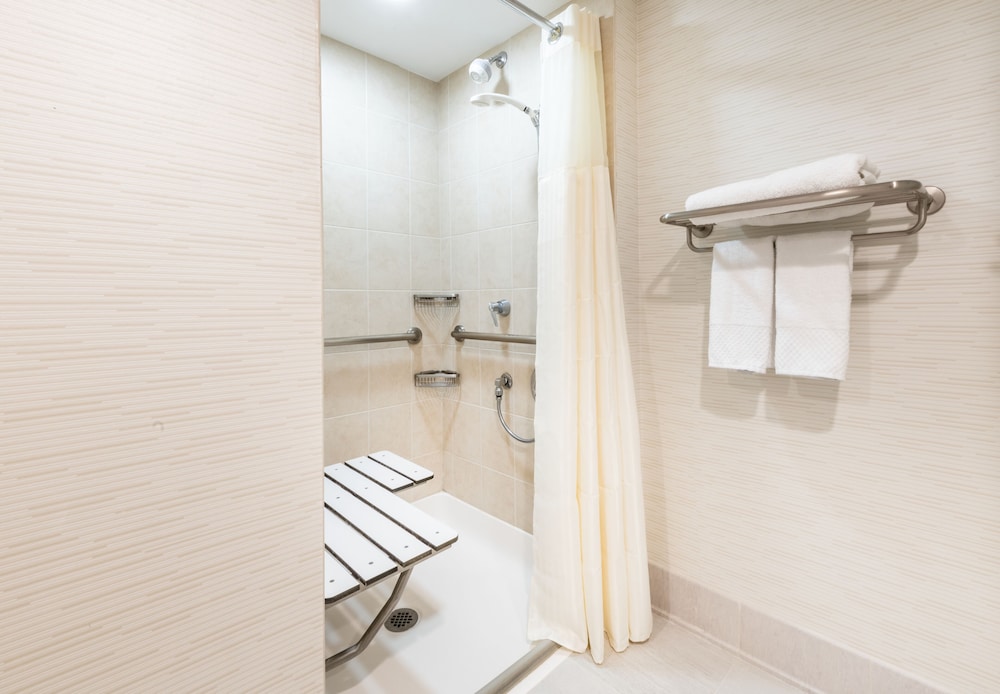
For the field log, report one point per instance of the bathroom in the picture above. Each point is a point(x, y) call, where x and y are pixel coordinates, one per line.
point(161, 213)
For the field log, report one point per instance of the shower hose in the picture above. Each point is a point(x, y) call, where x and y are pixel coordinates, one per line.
point(499, 394)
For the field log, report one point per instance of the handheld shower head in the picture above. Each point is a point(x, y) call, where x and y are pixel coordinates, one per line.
point(480, 70)
point(492, 99)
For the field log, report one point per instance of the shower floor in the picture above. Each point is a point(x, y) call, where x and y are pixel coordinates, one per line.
point(472, 602)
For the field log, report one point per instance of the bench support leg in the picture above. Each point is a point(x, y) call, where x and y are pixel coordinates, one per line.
point(366, 638)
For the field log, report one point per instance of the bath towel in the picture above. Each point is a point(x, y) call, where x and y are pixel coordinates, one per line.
point(740, 323)
point(812, 304)
point(832, 173)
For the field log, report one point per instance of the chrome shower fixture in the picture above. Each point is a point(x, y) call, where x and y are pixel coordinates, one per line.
point(480, 70)
point(492, 99)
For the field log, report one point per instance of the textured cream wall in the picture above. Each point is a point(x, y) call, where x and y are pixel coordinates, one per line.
point(867, 511)
point(160, 361)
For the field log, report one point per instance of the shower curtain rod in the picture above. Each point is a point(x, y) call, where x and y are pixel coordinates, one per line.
point(555, 28)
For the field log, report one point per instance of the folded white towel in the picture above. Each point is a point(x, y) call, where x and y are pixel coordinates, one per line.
point(812, 304)
point(832, 173)
point(741, 308)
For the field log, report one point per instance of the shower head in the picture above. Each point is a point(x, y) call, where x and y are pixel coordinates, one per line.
point(480, 70)
point(492, 99)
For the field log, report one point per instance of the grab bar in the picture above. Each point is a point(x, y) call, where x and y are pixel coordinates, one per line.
point(461, 334)
point(413, 335)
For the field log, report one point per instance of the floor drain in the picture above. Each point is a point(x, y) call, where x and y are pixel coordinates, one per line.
point(401, 619)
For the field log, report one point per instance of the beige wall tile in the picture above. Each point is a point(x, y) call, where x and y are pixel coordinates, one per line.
point(426, 264)
point(345, 383)
point(497, 447)
point(470, 366)
point(388, 261)
point(493, 206)
point(524, 505)
point(524, 190)
point(343, 73)
point(424, 102)
point(717, 616)
point(390, 378)
point(464, 479)
point(425, 214)
point(345, 258)
point(498, 496)
point(345, 437)
point(461, 426)
point(345, 313)
point(463, 149)
point(492, 128)
point(344, 192)
point(389, 430)
point(427, 425)
point(465, 261)
point(423, 154)
point(495, 260)
point(388, 203)
point(388, 145)
point(460, 90)
point(807, 658)
point(462, 200)
point(388, 88)
point(524, 256)
point(390, 312)
point(659, 589)
point(341, 119)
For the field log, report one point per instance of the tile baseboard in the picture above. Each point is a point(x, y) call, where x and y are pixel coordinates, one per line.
point(798, 657)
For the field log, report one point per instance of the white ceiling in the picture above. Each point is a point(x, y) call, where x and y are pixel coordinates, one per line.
point(432, 38)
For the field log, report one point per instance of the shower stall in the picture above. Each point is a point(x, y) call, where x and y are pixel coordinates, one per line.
point(430, 190)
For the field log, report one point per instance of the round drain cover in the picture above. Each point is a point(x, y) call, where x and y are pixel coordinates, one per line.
point(401, 619)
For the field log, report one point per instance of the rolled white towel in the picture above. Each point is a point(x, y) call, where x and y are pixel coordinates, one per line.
point(832, 173)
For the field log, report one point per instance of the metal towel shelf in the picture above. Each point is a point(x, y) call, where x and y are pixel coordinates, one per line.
point(920, 200)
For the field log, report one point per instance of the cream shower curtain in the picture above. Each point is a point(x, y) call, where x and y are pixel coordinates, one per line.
point(590, 573)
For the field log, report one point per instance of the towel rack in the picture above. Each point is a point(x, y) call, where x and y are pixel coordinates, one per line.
point(412, 335)
point(461, 334)
point(920, 200)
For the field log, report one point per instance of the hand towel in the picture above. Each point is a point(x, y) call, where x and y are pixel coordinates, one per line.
point(740, 313)
point(832, 173)
point(812, 304)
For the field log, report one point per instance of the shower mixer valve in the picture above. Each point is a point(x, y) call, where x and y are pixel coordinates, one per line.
point(500, 307)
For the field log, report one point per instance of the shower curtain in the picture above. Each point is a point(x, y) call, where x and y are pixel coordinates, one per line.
point(590, 574)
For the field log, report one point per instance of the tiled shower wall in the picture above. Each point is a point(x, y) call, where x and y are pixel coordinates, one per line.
point(865, 513)
point(381, 233)
point(424, 192)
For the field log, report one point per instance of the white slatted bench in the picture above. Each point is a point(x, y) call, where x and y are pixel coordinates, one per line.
point(372, 534)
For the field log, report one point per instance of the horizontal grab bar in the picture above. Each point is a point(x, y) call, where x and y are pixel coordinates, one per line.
point(413, 335)
point(461, 334)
